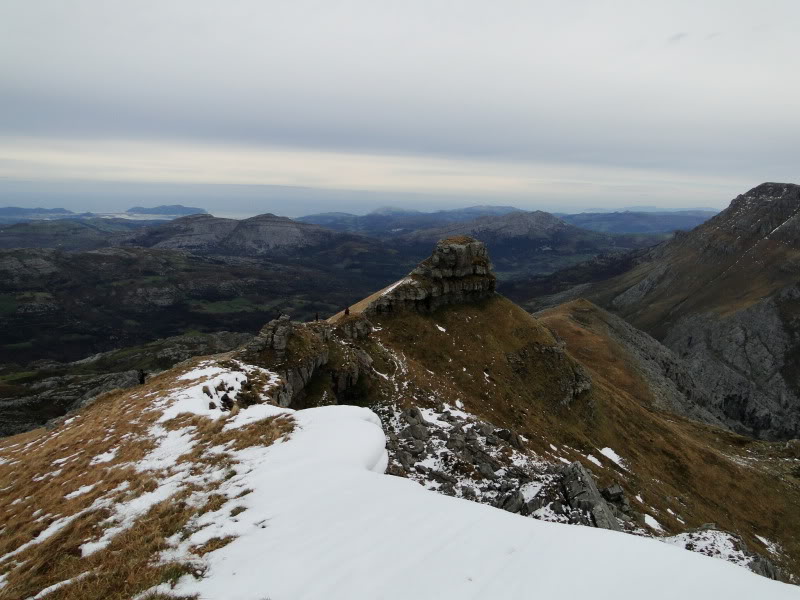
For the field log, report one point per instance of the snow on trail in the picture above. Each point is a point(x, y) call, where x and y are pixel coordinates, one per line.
point(323, 521)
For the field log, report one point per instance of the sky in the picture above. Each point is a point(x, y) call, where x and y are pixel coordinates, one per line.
point(249, 106)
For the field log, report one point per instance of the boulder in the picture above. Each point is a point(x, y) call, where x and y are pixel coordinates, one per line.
point(581, 493)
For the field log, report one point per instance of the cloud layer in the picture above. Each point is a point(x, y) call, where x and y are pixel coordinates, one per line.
point(429, 96)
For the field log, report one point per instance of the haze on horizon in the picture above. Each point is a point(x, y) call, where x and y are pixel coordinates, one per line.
point(246, 106)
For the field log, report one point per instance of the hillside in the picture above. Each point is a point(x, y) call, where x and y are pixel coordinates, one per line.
point(216, 476)
point(440, 341)
point(724, 296)
point(261, 235)
point(638, 222)
point(31, 396)
point(67, 234)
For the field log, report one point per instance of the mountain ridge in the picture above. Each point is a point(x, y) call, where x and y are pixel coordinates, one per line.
point(725, 296)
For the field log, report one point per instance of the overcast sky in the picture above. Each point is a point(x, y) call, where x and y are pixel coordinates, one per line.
point(350, 104)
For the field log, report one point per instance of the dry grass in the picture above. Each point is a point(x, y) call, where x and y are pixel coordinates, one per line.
point(702, 473)
point(40, 468)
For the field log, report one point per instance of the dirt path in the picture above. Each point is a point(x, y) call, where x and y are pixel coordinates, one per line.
point(359, 307)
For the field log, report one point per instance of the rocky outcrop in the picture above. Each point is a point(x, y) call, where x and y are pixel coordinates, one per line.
point(295, 351)
point(480, 462)
point(581, 492)
point(575, 379)
point(745, 362)
point(299, 352)
point(457, 272)
point(273, 336)
point(354, 327)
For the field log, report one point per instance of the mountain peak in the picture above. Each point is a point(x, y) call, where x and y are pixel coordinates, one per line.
point(767, 212)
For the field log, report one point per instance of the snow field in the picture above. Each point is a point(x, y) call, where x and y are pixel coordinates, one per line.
point(322, 521)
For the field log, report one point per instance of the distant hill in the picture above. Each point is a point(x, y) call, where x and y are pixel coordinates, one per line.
point(639, 222)
point(392, 222)
point(16, 210)
point(525, 243)
point(16, 214)
point(167, 209)
point(86, 233)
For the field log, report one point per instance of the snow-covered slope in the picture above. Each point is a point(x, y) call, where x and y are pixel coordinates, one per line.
point(323, 521)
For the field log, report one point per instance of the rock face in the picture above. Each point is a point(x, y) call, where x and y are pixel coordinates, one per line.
point(295, 351)
point(301, 352)
point(457, 272)
point(746, 362)
point(674, 383)
point(581, 492)
point(273, 336)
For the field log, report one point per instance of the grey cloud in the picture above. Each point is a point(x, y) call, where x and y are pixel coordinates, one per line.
point(510, 80)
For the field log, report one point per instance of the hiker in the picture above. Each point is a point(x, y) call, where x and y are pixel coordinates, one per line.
point(346, 311)
point(142, 376)
point(316, 317)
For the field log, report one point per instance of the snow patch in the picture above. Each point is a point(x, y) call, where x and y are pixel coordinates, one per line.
point(652, 523)
point(613, 457)
point(104, 457)
point(84, 489)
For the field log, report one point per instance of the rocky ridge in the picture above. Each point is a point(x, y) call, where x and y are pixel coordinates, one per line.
point(387, 359)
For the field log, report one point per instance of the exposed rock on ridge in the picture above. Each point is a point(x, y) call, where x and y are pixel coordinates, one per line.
point(458, 271)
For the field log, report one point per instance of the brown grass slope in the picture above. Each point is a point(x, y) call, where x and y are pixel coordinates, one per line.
point(40, 468)
point(703, 473)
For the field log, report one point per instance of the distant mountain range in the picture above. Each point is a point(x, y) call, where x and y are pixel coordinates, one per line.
point(639, 222)
point(14, 214)
point(391, 222)
point(171, 209)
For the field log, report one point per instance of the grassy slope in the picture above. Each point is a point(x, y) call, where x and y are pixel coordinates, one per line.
point(33, 488)
point(703, 473)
